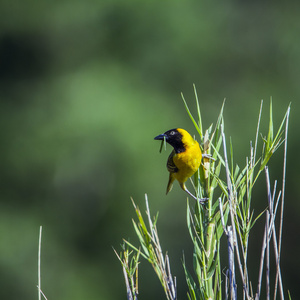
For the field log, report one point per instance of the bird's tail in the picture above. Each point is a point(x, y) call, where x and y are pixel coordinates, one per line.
point(170, 183)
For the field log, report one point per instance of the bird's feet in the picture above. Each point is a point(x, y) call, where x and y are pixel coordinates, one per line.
point(200, 200)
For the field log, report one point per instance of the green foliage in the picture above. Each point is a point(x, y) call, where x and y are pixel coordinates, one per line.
point(152, 252)
point(130, 270)
point(229, 212)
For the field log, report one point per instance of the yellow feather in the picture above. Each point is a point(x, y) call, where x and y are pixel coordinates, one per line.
point(184, 160)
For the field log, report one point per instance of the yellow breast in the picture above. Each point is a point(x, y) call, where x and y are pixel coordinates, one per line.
point(187, 162)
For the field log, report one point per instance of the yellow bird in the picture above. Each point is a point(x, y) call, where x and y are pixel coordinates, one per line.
point(184, 160)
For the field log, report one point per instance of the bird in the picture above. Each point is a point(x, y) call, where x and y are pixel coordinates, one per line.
point(184, 160)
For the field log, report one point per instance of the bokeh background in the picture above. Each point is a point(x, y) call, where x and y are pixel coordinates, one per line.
point(84, 88)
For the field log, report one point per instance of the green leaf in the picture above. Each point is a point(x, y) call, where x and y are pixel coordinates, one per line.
point(214, 181)
point(270, 133)
point(212, 269)
point(193, 294)
point(191, 116)
point(143, 241)
point(163, 144)
point(198, 111)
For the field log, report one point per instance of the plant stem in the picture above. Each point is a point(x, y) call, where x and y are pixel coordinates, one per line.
point(283, 193)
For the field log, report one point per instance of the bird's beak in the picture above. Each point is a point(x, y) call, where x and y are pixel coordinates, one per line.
point(160, 137)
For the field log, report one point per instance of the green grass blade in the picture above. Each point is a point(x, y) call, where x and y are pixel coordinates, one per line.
point(191, 116)
point(198, 111)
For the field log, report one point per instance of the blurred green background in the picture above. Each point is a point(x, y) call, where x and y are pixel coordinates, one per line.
point(84, 88)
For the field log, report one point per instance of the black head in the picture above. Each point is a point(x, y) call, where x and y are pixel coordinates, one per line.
point(174, 138)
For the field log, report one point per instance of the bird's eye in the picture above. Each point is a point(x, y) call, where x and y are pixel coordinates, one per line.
point(172, 132)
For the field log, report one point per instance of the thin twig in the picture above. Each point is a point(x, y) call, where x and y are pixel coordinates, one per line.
point(282, 195)
point(226, 285)
point(277, 202)
point(231, 269)
point(270, 225)
point(162, 263)
point(39, 263)
point(230, 200)
point(41, 292)
point(128, 289)
point(232, 283)
point(257, 132)
point(274, 213)
point(262, 258)
point(267, 257)
point(171, 284)
point(274, 234)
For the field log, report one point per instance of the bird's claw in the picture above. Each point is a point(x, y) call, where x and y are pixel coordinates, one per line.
point(202, 200)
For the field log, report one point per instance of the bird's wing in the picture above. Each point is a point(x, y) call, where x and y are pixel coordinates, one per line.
point(170, 163)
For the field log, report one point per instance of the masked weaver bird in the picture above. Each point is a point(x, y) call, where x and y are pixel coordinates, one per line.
point(184, 160)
